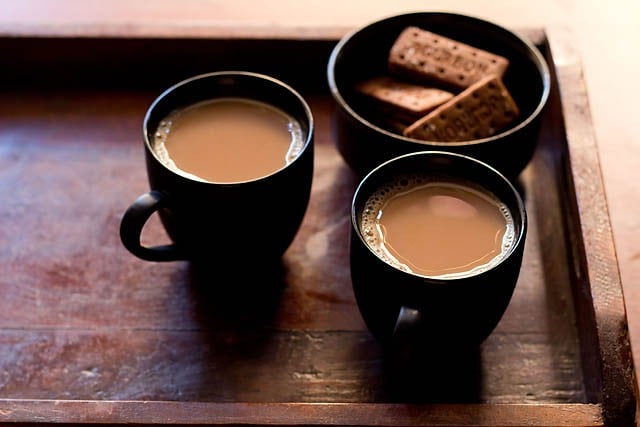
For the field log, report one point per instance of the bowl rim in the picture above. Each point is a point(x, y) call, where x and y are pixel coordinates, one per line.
point(540, 61)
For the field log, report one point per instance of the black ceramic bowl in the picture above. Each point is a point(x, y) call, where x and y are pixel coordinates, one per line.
point(363, 53)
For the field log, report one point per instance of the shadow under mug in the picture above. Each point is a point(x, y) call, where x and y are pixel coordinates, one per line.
point(410, 312)
point(240, 223)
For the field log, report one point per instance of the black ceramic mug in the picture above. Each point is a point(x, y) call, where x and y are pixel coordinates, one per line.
point(402, 307)
point(254, 220)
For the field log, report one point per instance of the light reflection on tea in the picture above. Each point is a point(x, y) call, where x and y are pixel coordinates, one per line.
point(228, 140)
point(437, 229)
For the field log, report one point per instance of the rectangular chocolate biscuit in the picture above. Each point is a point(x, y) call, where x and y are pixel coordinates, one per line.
point(428, 57)
point(405, 101)
point(482, 110)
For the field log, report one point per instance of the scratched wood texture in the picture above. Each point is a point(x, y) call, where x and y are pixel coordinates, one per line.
point(90, 334)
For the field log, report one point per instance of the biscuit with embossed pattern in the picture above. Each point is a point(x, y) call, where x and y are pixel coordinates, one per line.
point(405, 101)
point(429, 57)
point(482, 110)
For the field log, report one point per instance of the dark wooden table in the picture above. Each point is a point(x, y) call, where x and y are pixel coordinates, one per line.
point(90, 334)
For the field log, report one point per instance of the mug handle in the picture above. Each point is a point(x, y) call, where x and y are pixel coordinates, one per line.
point(404, 332)
point(134, 219)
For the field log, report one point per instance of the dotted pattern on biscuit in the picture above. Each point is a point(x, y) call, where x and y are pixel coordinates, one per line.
point(415, 100)
point(480, 111)
point(429, 57)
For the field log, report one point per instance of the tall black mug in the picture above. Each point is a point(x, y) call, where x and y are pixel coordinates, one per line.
point(223, 223)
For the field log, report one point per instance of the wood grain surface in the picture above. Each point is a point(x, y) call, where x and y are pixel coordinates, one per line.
point(82, 320)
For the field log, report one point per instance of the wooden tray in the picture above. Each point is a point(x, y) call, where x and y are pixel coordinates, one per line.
point(90, 334)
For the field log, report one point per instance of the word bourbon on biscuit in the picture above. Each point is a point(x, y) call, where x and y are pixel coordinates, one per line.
point(425, 56)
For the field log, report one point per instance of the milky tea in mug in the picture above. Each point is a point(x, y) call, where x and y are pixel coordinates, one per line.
point(217, 147)
point(437, 228)
point(228, 140)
